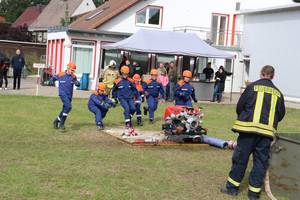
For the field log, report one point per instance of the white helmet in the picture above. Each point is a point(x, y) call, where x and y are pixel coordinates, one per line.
point(112, 63)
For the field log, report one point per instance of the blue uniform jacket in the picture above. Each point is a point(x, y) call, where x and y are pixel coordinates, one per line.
point(184, 91)
point(66, 83)
point(100, 101)
point(125, 89)
point(153, 88)
point(17, 62)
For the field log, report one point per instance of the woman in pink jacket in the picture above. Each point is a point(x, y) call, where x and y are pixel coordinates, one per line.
point(164, 80)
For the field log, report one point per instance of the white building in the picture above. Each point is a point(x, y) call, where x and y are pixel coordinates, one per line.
point(271, 36)
point(216, 21)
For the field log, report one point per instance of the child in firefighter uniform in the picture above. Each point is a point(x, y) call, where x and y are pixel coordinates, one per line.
point(259, 109)
point(124, 90)
point(153, 91)
point(99, 104)
point(66, 81)
point(139, 86)
point(184, 91)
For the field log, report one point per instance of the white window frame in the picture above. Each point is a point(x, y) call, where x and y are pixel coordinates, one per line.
point(217, 42)
point(85, 46)
point(146, 24)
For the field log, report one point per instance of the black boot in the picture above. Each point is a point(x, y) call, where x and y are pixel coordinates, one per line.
point(62, 123)
point(151, 121)
point(56, 123)
point(100, 126)
point(62, 126)
point(139, 121)
point(145, 110)
point(229, 192)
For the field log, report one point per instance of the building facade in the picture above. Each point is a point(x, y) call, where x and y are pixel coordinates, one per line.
point(217, 22)
point(271, 37)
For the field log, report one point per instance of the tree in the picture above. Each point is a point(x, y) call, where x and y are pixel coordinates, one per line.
point(12, 9)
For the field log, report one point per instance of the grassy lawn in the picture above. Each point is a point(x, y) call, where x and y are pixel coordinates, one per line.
point(38, 162)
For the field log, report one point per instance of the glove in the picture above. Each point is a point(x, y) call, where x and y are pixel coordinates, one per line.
point(77, 83)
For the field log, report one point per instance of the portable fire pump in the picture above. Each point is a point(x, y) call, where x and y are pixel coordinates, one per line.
point(183, 124)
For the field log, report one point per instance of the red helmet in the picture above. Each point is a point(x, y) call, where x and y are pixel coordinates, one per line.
point(101, 86)
point(187, 74)
point(136, 77)
point(71, 66)
point(125, 69)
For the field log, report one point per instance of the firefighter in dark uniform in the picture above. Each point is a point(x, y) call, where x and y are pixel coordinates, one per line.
point(259, 110)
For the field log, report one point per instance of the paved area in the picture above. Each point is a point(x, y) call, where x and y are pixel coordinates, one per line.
point(29, 87)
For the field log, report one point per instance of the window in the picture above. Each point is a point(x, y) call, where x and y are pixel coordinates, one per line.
point(219, 29)
point(150, 15)
point(141, 17)
point(83, 57)
point(141, 59)
point(112, 55)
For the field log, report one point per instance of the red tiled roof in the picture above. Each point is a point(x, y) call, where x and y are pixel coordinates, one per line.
point(29, 16)
point(102, 14)
point(52, 14)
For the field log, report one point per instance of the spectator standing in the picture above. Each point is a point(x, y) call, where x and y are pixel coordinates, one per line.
point(161, 68)
point(18, 63)
point(4, 65)
point(137, 69)
point(172, 80)
point(164, 80)
point(220, 78)
point(208, 71)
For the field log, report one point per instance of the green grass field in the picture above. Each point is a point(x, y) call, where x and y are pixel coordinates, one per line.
point(38, 162)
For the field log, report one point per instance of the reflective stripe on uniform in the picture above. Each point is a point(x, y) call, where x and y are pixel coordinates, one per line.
point(258, 106)
point(65, 114)
point(272, 109)
point(254, 189)
point(233, 182)
point(254, 127)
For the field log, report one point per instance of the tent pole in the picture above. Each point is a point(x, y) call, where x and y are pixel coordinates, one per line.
point(232, 80)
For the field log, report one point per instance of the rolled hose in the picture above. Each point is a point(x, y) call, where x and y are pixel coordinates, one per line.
point(216, 142)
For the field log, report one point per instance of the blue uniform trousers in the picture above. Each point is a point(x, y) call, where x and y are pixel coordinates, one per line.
point(152, 106)
point(138, 110)
point(259, 147)
point(100, 114)
point(183, 103)
point(67, 107)
point(129, 108)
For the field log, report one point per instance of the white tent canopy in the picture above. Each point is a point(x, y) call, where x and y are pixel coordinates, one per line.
point(168, 42)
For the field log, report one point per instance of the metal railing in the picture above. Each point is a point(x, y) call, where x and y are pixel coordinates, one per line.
point(214, 37)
